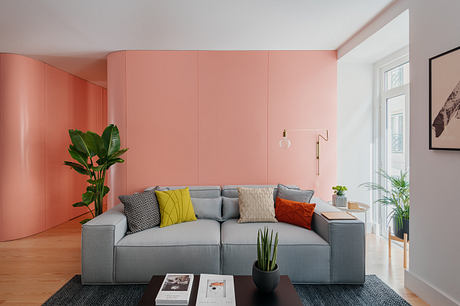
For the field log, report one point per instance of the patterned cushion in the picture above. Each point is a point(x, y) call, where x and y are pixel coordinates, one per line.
point(293, 212)
point(175, 206)
point(304, 196)
point(141, 210)
point(256, 205)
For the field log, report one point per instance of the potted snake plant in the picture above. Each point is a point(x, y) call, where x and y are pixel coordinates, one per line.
point(265, 271)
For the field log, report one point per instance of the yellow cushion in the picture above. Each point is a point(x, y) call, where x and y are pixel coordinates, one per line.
point(175, 206)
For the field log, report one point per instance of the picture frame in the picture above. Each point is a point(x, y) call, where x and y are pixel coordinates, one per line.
point(444, 101)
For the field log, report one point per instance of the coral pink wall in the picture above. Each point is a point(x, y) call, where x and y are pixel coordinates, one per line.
point(215, 117)
point(38, 104)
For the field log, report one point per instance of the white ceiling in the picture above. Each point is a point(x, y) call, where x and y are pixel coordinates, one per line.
point(76, 35)
point(389, 39)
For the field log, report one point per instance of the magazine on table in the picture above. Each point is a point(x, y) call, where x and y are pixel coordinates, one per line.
point(216, 289)
point(175, 290)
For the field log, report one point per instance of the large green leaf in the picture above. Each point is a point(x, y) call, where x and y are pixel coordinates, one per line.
point(77, 167)
point(94, 143)
point(88, 197)
point(91, 188)
point(111, 139)
point(94, 182)
point(78, 156)
point(80, 204)
point(79, 143)
point(118, 153)
point(106, 190)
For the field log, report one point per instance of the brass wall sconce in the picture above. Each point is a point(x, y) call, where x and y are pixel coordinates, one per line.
point(285, 142)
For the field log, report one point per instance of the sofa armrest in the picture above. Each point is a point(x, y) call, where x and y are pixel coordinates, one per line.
point(98, 238)
point(348, 245)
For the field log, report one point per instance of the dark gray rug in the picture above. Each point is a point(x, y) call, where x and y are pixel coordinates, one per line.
point(373, 292)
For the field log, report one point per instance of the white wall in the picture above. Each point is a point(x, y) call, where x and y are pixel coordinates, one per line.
point(434, 272)
point(354, 128)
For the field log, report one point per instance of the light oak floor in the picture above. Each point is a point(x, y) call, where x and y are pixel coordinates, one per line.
point(33, 268)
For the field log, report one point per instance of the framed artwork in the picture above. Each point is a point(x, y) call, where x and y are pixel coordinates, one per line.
point(445, 101)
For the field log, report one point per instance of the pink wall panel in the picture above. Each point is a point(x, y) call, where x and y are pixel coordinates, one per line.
point(303, 95)
point(39, 104)
point(22, 200)
point(116, 114)
point(233, 117)
point(215, 117)
point(162, 110)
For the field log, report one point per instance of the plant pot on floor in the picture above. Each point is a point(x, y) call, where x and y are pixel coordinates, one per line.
point(400, 229)
point(266, 281)
point(339, 200)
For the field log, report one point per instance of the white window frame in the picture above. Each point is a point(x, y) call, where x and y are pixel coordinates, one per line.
point(379, 119)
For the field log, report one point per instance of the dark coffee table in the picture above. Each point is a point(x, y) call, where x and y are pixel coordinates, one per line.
point(246, 292)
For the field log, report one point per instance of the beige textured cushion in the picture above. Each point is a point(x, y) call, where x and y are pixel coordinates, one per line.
point(256, 205)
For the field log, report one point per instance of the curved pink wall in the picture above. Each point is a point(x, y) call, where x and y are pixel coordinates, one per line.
point(215, 117)
point(38, 104)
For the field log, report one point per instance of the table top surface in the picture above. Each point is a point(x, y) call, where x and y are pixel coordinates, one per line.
point(246, 292)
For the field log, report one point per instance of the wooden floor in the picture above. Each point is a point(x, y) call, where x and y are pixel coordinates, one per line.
point(33, 268)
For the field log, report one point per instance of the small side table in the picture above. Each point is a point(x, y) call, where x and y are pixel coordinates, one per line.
point(363, 208)
point(405, 241)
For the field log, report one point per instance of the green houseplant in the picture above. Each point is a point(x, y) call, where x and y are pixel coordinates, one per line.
point(265, 271)
point(338, 198)
point(396, 196)
point(94, 155)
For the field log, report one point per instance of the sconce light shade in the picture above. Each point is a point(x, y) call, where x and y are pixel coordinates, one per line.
point(285, 143)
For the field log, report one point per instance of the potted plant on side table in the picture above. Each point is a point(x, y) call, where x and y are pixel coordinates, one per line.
point(396, 195)
point(338, 198)
point(265, 271)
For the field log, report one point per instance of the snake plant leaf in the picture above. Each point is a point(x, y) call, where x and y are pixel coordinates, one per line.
point(77, 167)
point(94, 143)
point(111, 139)
point(88, 197)
point(79, 204)
point(84, 221)
point(78, 156)
point(76, 137)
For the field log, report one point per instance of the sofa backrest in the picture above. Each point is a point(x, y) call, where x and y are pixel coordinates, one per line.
point(231, 191)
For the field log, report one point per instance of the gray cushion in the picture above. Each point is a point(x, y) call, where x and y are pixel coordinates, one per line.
point(141, 210)
point(304, 196)
point(230, 208)
point(208, 208)
point(302, 254)
point(231, 191)
point(195, 191)
point(189, 247)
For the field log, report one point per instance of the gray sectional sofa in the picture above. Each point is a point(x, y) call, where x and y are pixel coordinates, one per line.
point(332, 252)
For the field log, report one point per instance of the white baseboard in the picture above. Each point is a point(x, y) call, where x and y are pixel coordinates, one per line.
point(426, 291)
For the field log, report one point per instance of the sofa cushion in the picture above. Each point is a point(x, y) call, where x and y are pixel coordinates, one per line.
point(294, 194)
point(141, 210)
point(195, 191)
point(293, 212)
point(256, 205)
point(208, 208)
point(190, 247)
point(200, 232)
point(175, 206)
point(231, 191)
point(230, 208)
point(302, 254)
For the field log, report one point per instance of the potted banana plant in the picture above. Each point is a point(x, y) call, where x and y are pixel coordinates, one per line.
point(93, 156)
point(265, 271)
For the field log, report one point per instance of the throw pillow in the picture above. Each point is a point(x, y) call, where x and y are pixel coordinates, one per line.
point(208, 208)
point(175, 206)
point(256, 205)
point(297, 195)
point(293, 212)
point(230, 208)
point(141, 210)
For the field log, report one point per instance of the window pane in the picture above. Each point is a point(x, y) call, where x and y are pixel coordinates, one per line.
point(397, 76)
point(395, 138)
point(397, 133)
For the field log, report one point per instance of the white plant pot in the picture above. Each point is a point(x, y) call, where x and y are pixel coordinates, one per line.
point(339, 201)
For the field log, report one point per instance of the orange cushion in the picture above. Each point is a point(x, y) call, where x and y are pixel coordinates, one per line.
point(293, 212)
